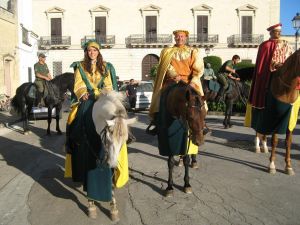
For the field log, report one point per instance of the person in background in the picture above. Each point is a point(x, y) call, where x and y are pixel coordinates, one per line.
point(227, 71)
point(42, 75)
point(131, 93)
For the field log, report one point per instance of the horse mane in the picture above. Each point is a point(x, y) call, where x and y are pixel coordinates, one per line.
point(284, 80)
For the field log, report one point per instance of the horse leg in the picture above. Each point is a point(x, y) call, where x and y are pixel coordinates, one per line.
point(49, 119)
point(229, 113)
point(170, 190)
point(187, 187)
point(25, 113)
point(264, 144)
point(272, 168)
point(114, 212)
point(57, 109)
point(194, 164)
point(257, 140)
point(288, 141)
point(92, 210)
point(180, 161)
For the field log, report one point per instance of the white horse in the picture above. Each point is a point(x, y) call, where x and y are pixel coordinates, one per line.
point(111, 123)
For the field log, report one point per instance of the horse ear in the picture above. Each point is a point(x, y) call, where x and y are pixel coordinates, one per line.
point(131, 121)
point(110, 123)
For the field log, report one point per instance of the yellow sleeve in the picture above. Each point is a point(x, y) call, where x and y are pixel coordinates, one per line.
point(79, 85)
point(197, 70)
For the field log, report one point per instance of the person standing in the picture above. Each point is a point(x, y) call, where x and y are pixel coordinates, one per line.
point(131, 90)
point(227, 71)
point(42, 75)
point(271, 55)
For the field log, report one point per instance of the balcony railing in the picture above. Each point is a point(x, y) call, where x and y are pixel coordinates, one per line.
point(203, 40)
point(245, 40)
point(106, 41)
point(47, 42)
point(146, 41)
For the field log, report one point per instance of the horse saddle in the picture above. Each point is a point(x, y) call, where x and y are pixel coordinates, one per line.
point(32, 91)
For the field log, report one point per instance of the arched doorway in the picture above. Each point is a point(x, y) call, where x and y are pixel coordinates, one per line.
point(148, 62)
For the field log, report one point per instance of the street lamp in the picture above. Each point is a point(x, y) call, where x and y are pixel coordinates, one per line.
point(296, 25)
point(207, 51)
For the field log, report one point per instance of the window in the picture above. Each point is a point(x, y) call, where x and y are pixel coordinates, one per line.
point(150, 14)
point(246, 28)
point(151, 29)
point(202, 28)
point(246, 15)
point(100, 29)
point(29, 74)
point(56, 34)
point(57, 68)
point(25, 36)
point(201, 15)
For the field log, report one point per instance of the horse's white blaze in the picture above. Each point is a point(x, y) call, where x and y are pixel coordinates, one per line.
point(110, 114)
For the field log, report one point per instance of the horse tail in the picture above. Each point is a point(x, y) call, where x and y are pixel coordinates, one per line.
point(19, 98)
point(15, 104)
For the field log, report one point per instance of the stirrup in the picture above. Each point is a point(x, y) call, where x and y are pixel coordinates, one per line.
point(153, 131)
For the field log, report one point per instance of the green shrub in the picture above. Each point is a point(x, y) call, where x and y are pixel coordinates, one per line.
point(153, 71)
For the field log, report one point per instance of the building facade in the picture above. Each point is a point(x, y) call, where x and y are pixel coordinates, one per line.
point(9, 78)
point(133, 32)
point(27, 42)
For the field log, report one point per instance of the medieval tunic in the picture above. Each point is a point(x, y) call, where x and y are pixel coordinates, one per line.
point(175, 61)
point(264, 113)
point(86, 145)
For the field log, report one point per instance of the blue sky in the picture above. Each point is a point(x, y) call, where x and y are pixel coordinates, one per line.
point(288, 9)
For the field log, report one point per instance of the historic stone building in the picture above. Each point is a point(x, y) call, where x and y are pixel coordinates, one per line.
point(133, 32)
point(8, 56)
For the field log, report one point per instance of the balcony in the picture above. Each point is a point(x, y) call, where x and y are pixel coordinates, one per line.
point(148, 41)
point(106, 41)
point(245, 40)
point(55, 42)
point(209, 40)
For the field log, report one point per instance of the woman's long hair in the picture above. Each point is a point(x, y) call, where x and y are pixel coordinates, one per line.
point(88, 66)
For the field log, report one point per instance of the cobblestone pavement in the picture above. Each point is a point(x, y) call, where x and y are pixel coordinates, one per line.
point(231, 186)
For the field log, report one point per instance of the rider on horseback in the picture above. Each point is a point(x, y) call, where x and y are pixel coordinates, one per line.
point(227, 71)
point(42, 75)
point(179, 62)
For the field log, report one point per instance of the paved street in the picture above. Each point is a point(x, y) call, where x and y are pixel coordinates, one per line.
point(231, 186)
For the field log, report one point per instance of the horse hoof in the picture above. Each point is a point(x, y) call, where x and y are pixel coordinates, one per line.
point(59, 133)
point(180, 163)
point(188, 190)
point(289, 171)
point(272, 170)
point(92, 212)
point(169, 193)
point(114, 216)
point(26, 132)
point(194, 165)
point(257, 150)
point(226, 127)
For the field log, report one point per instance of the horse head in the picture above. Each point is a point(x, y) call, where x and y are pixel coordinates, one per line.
point(286, 79)
point(111, 123)
point(195, 115)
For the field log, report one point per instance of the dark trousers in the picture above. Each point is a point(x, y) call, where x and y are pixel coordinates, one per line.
point(132, 101)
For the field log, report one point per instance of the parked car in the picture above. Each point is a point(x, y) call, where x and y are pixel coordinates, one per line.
point(143, 94)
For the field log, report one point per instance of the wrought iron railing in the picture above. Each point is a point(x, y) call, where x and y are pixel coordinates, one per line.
point(203, 39)
point(142, 39)
point(245, 39)
point(53, 41)
point(105, 40)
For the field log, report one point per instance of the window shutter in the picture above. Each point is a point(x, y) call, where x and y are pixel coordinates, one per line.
point(100, 29)
point(151, 29)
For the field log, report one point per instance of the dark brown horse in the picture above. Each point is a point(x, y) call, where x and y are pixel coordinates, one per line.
point(238, 90)
point(182, 105)
point(283, 88)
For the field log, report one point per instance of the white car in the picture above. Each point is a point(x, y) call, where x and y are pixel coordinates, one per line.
point(143, 94)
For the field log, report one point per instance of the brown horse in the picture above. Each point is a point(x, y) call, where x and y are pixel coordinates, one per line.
point(181, 105)
point(283, 88)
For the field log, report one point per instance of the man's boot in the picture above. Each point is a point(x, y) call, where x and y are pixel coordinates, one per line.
point(220, 94)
